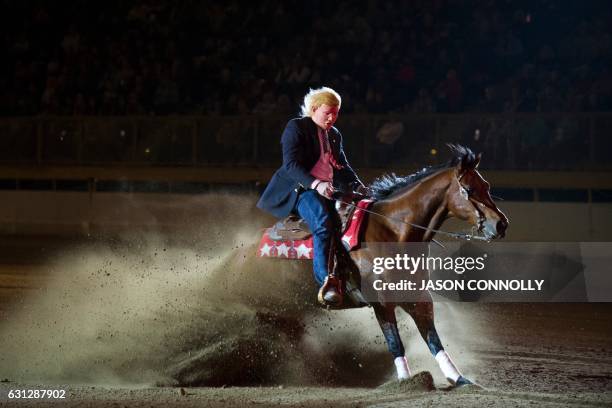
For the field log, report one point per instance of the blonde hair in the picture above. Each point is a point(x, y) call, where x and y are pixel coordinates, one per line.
point(318, 97)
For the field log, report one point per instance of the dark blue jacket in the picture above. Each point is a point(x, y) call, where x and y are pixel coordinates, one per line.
point(301, 151)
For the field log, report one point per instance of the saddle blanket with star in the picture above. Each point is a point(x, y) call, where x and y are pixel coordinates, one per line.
point(302, 249)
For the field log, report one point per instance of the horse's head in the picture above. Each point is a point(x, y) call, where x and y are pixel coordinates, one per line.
point(469, 196)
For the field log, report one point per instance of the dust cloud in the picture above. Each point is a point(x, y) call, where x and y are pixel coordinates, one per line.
point(195, 308)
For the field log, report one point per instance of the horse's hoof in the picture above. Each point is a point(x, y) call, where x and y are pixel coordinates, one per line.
point(422, 381)
point(465, 385)
point(461, 381)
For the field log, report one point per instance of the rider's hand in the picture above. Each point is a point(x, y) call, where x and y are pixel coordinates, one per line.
point(361, 189)
point(324, 188)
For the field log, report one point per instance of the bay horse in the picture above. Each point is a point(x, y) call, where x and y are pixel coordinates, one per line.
point(426, 198)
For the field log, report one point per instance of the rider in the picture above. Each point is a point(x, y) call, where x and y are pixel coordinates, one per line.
point(314, 166)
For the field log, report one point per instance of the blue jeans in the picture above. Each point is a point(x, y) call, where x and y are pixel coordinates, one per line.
point(314, 209)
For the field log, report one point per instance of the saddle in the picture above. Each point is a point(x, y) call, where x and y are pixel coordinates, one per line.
point(293, 228)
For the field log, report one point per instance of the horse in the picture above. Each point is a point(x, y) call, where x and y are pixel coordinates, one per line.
point(426, 198)
point(410, 209)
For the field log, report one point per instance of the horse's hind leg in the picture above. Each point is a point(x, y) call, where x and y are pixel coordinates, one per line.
point(423, 315)
point(388, 324)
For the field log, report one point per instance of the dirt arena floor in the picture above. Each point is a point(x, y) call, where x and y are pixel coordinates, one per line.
point(71, 320)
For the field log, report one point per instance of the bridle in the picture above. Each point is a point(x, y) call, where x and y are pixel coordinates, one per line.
point(457, 235)
point(481, 216)
point(472, 201)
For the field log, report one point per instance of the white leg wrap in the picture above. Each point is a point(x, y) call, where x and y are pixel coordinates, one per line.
point(401, 365)
point(447, 366)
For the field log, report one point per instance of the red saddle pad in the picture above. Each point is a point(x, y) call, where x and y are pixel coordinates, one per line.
point(302, 249)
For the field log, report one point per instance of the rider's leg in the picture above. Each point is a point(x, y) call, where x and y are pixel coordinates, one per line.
point(388, 324)
point(313, 209)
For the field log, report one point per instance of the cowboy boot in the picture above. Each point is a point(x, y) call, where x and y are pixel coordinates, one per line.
point(330, 293)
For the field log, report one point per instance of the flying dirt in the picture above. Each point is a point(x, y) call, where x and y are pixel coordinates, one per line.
point(138, 315)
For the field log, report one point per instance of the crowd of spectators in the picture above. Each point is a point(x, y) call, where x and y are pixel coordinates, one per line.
point(156, 57)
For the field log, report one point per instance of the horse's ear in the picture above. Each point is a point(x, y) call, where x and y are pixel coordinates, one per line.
point(467, 161)
point(477, 161)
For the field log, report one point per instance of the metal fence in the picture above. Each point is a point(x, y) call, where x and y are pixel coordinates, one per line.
point(508, 142)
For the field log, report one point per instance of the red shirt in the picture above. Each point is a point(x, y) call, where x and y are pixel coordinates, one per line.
point(322, 169)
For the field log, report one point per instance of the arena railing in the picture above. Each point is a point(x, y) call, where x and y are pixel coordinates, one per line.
point(558, 141)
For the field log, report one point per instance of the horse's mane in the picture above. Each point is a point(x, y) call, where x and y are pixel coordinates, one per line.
point(387, 184)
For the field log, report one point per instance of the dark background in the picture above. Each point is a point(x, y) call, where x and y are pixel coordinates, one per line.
point(124, 123)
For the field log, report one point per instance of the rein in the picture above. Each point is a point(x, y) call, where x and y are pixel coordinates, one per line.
point(456, 235)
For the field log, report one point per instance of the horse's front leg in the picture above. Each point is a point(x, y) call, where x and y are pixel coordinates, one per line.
point(423, 315)
point(385, 314)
